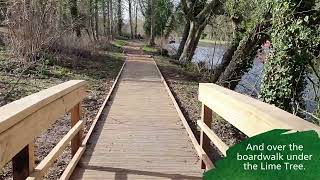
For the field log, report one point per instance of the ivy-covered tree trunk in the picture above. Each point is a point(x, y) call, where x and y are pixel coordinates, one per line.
point(243, 57)
point(294, 40)
point(184, 38)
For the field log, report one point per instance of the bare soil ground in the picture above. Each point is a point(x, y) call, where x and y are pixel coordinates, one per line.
point(184, 83)
point(99, 70)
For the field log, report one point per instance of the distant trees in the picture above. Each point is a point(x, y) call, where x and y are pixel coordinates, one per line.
point(75, 17)
point(35, 26)
point(157, 14)
point(198, 14)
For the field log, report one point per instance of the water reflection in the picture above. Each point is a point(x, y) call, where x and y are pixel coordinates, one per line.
point(250, 83)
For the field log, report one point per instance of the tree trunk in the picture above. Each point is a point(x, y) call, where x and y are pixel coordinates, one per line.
point(195, 32)
point(91, 11)
point(243, 58)
point(185, 35)
point(108, 18)
point(119, 13)
point(227, 57)
point(170, 26)
point(75, 17)
point(104, 17)
point(196, 42)
point(136, 23)
point(111, 26)
point(152, 24)
point(130, 18)
point(97, 19)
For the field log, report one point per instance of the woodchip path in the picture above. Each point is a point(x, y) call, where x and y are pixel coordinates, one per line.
point(140, 134)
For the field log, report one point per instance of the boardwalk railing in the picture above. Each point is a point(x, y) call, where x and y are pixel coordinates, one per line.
point(23, 120)
point(249, 115)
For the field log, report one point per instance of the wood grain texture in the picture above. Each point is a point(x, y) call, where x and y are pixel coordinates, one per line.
point(249, 115)
point(214, 138)
point(140, 135)
point(11, 141)
point(16, 111)
point(43, 167)
point(206, 118)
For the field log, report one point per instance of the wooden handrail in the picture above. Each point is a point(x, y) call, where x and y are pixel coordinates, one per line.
point(247, 114)
point(23, 120)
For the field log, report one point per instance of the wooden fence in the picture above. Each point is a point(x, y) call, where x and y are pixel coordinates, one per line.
point(247, 114)
point(23, 120)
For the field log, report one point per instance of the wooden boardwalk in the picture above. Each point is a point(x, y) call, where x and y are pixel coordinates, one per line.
point(140, 135)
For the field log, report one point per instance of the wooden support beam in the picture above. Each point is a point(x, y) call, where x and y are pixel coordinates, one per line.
point(247, 114)
point(72, 164)
point(206, 118)
point(43, 167)
point(11, 142)
point(23, 162)
point(75, 117)
point(214, 138)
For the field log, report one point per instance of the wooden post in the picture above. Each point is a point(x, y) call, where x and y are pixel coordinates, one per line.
point(75, 117)
point(206, 117)
point(23, 163)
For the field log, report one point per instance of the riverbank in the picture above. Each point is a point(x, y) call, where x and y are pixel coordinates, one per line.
point(18, 80)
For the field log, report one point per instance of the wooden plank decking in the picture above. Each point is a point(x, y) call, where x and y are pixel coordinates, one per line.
point(140, 135)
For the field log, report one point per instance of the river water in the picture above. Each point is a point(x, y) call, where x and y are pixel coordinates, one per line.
point(250, 83)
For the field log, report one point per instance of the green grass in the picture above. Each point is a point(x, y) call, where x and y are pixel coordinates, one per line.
point(119, 43)
point(149, 49)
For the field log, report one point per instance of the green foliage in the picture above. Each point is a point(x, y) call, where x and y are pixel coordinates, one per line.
point(150, 49)
point(296, 40)
point(119, 43)
point(163, 11)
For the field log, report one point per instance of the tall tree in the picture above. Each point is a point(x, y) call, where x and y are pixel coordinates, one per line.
point(96, 13)
point(111, 20)
point(257, 26)
point(198, 13)
point(130, 18)
point(75, 17)
point(152, 23)
point(184, 38)
point(243, 57)
point(136, 19)
point(119, 17)
point(104, 17)
point(91, 18)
